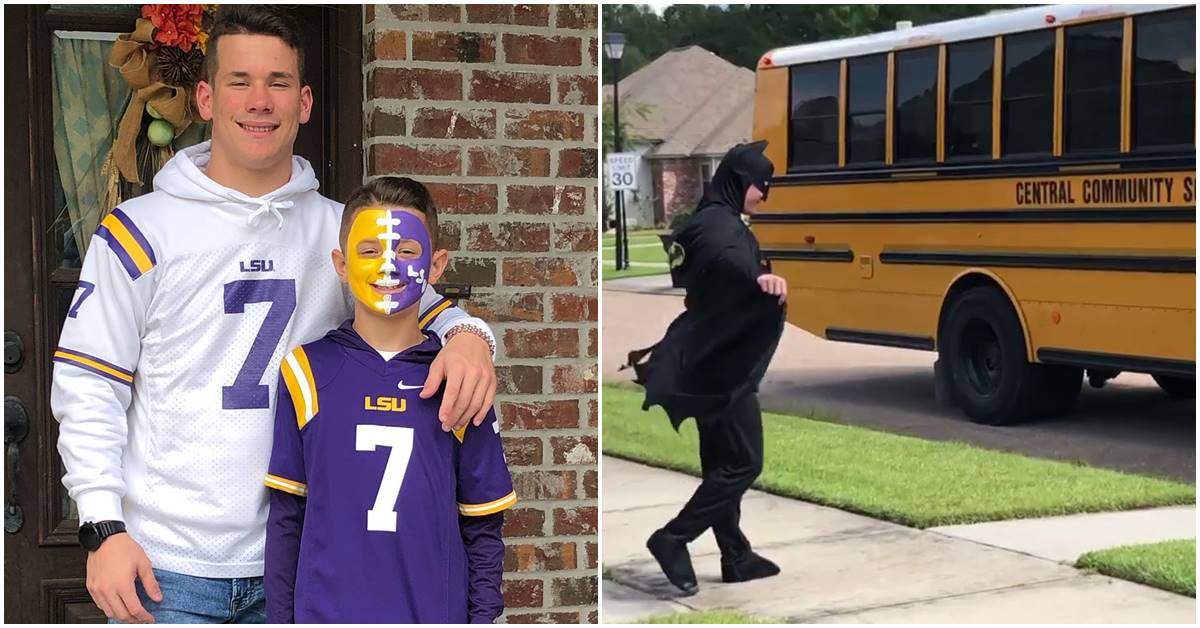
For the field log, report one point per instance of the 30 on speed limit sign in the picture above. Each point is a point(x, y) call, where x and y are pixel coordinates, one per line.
point(622, 171)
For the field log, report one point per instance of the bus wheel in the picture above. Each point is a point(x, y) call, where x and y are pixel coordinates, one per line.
point(983, 347)
point(1060, 389)
point(1177, 387)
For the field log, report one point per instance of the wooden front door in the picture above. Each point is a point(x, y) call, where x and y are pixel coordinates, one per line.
point(43, 563)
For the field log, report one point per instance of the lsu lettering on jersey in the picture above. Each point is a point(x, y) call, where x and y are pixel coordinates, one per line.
point(384, 485)
point(188, 299)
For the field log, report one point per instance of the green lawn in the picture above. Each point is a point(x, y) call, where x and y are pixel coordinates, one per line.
point(898, 478)
point(718, 616)
point(1169, 565)
point(646, 256)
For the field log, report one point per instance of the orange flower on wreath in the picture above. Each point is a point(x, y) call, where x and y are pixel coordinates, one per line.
point(175, 25)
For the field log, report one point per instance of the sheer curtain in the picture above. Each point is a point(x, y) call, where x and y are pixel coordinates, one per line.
point(88, 100)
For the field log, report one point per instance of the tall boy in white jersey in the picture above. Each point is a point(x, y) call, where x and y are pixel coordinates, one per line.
point(189, 298)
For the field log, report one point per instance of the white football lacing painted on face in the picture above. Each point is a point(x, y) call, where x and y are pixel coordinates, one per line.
point(387, 237)
point(387, 304)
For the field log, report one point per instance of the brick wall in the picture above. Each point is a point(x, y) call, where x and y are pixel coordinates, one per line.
point(678, 186)
point(494, 108)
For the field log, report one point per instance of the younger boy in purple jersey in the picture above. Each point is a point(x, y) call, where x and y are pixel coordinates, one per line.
point(378, 516)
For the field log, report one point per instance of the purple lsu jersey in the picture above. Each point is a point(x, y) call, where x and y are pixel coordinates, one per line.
point(384, 485)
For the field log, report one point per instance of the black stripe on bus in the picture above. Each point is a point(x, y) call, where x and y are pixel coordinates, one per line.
point(1068, 261)
point(1125, 164)
point(903, 341)
point(810, 255)
point(1136, 364)
point(1117, 215)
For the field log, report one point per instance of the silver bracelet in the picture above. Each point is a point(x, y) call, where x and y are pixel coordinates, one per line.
point(474, 330)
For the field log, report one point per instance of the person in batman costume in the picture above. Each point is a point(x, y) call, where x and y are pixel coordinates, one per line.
point(710, 362)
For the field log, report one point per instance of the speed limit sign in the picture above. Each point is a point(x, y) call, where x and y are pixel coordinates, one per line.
point(622, 171)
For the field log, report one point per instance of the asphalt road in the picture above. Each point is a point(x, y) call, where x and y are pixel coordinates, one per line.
point(1128, 425)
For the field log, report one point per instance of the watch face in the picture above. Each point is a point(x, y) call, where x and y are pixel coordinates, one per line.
point(89, 538)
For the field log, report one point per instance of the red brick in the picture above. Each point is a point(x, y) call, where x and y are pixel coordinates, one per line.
point(539, 271)
point(369, 13)
point(510, 87)
point(541, 343)
point(518, 379)
point(579, 237)
point(557, 617)
point(577, 90)
point(540, 415)
point(576, 16)
point(573, 591)
point(509, 237)
point(449, 236)
point(522, 522)
point(463, 124)
point(381, 122)
point(445, 13)
point(573, 521)
point(464, 198)
point(574, 379)
point(522, 593)
point(535, 485)
point(471, 271)
point(593, 51)
point(540, 557)
point(544, 125)
point(388, 45)
point(506, 308)
point(414, 159)
point(531, 14)
point(594, 617)
point(593, 413)
point(415, 84)
point(592, 336)
point(490, 13)
point(405, 11)
point(590, 492)
point(522, 451)
point(574, 449)
point(577, 162)
point(574, 307)
point(508, 161)
point(545, 199)
point(458, 47)
point(541, 50)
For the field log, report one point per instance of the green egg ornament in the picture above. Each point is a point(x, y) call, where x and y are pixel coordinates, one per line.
point(160, 132)
point(153, 112)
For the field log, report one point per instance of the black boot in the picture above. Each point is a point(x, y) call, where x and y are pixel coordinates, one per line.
point(672, 556)
point(750, 567)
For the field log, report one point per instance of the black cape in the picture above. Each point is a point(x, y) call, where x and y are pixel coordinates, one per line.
point(717, 351)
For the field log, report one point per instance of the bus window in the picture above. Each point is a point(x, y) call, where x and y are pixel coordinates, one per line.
point(866, 124)
point(1164, 79)
point(814, 125)
point(969, 98)
point(1027, 111)
point(1092, 87)
point(916, 104)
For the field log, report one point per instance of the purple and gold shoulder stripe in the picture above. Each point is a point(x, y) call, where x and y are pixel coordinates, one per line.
point(478, 510)
point(432, 313)
point(298, 376)
point(127, 243)
point(94, 364)
point(286, 485)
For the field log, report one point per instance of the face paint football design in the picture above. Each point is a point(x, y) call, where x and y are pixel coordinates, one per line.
point(393, 280)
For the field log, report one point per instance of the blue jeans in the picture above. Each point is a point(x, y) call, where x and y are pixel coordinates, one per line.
point(196, 600)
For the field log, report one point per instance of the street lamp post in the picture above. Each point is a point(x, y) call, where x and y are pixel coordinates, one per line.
point(614, 47)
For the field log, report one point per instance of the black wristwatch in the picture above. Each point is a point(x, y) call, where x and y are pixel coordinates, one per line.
point(91, 535)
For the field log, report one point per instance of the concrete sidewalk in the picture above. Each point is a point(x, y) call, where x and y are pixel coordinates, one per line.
point(840, 567)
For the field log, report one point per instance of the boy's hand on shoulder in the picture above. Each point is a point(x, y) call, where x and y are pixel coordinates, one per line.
point(465, 365)
point(773, 285)
point(111, 571)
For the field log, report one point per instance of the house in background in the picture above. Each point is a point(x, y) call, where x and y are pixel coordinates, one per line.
point(694, 106)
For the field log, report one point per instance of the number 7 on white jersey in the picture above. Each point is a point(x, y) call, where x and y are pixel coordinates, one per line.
point(382, 516)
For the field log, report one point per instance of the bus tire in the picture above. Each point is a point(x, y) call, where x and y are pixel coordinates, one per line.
point(983, 347)
point(1060, 389)
point(1177, 387)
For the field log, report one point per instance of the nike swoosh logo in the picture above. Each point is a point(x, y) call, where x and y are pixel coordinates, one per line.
point(401, 386)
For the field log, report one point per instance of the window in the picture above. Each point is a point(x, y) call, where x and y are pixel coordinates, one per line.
point(916, 104)
point(815, 114)
point(969, 99)
point(1164, 79)
point(1027, 108)
point(1092, 87)
point(867, 95)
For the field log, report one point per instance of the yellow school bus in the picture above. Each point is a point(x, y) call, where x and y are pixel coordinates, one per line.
point(1015, 191)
